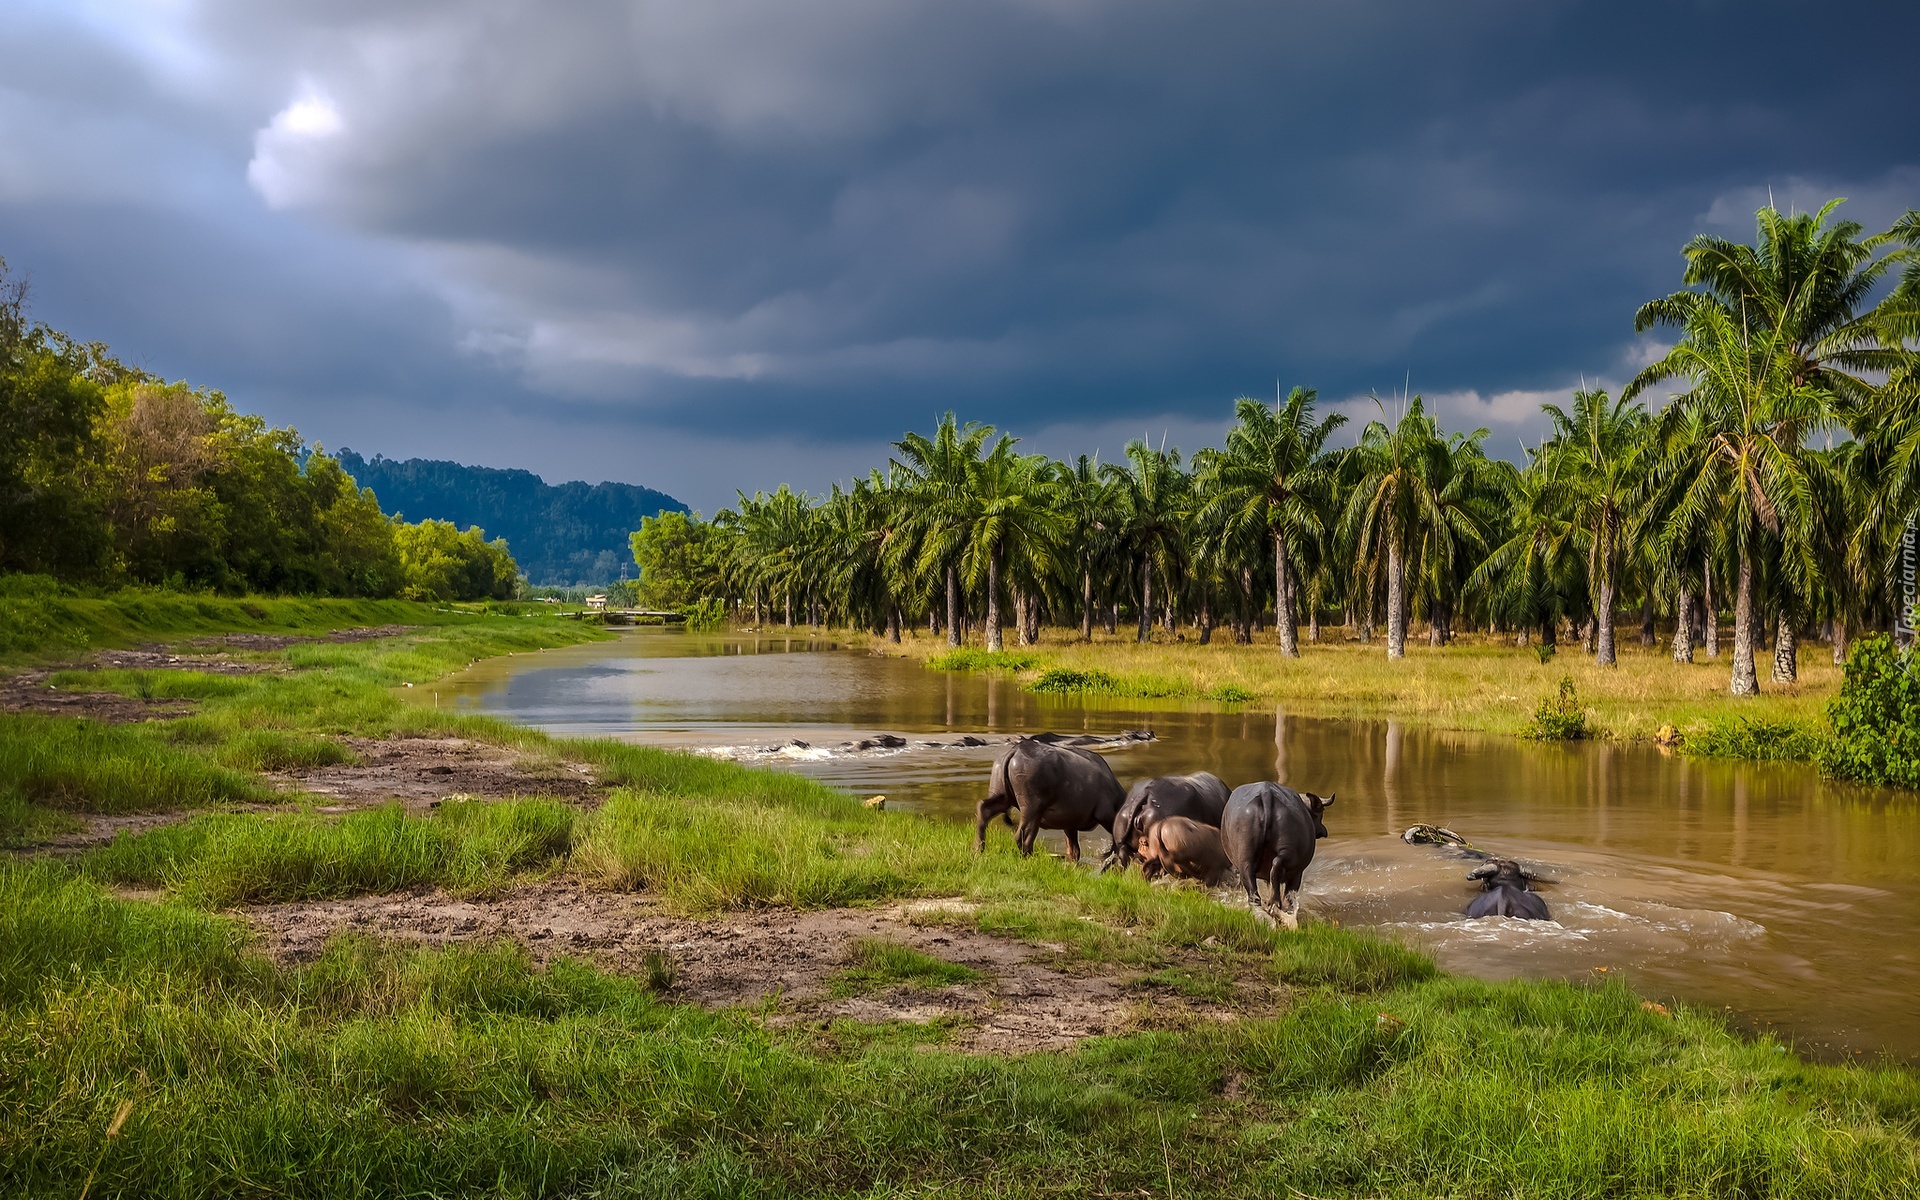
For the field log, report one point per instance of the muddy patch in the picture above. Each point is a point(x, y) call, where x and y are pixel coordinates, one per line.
point(280, 641)
point(1027, 999)
point(419, 771)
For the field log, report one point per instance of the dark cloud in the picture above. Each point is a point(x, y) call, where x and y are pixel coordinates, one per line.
point(715, 245)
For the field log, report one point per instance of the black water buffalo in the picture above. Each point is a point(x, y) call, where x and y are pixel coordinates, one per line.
point(1269, 831)
point(1184, 847)
point(1505, 892)
point(1200, 797)
point(1054, 787)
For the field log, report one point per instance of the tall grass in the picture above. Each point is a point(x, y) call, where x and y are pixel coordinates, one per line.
point(84, 766)
point(223, 859)
point(1479, 683)
point(52, 620)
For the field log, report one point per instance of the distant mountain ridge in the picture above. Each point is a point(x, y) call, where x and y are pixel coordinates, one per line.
point(569, 534)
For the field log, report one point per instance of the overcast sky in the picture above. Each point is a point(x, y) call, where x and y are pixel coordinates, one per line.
point(715, 245)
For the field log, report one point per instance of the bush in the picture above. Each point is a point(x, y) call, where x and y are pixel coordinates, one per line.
point(968, 658)
point(705, 614)
point(1067, 679)
point(1559, 718)
point(1876, 717)
point(1743, 737)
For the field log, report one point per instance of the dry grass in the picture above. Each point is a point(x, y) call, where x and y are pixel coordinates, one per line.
point(1478, 683)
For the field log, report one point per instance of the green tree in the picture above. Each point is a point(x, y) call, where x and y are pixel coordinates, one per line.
point(1273, 475)
point(938, 474)
point(1396, 500)
point(1153, 493)
point(674, 553)
point(1748, 471)
point(1600, 452)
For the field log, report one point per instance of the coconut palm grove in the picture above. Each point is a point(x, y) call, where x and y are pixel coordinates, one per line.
point(1765, 466)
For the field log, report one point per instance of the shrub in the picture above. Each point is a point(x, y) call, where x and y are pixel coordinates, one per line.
point(1230, 693)
point(1744, 737)
point(705, 614)
point(968, 658)
point(1876, 717)
point(1559, 718)
point(1068, 679)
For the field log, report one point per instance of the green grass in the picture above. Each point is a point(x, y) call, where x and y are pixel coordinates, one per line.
point(383, 1069)
point(223, 859)
point(388, 1070)
point(83, 766)
point(147, 684)
point(50, 622)
point(1745, 738)
point(878, 964)
point(971, 659)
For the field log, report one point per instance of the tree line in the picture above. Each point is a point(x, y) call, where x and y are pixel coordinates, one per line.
point(1778, 484)
point(109, 474)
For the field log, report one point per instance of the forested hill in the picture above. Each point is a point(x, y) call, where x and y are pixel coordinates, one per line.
point(571, 534)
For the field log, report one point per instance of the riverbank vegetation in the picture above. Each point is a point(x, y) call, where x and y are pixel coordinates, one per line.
point(153, 1047)
point(1728, 521)
point(110, 475)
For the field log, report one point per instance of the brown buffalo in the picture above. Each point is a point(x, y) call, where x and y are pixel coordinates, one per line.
point(1184, 847)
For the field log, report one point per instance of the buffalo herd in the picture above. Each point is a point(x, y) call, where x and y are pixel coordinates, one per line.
point(1193, 827)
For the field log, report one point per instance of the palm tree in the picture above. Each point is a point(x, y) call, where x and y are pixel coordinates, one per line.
point(1089, 503)
point(1600, 450)
point(1528, 578)
point(1394, 501)
point(938, 473)
point(1152, 493)
point(1010, 514)
point(1272, 475)
point(1749, 471)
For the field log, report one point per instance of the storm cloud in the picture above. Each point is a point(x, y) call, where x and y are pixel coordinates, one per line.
point(719, 245)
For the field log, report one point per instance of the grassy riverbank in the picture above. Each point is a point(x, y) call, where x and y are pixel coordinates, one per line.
point(149, 1043)
point(1481, 684)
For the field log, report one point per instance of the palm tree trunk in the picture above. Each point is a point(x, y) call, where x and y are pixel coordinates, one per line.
point(1031, 636)
point(1683, 625)
point(1710, 622)
point(1112, 616)
point(1283, 598)
point(1086, 601)
point(1745, 682)
point(1146, 599)
point(994, 644)
point(1603, 653)
point(787, 618)
point(1396, 601)
point(953, 606)
point(1313, 623)
point(1839, 640)
point(1786, 650)
point(1206, 618)
point(893, 623)
point(1648, 636)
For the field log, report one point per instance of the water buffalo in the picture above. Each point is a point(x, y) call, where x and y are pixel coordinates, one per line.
point(1269, 830)
point(1200, 796)
point(1054, 787)
point(1184, 847)
point(1505, 892)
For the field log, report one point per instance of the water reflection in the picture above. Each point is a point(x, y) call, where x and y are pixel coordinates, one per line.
point(1794, 900)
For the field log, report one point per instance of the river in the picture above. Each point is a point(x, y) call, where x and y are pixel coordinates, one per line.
point(1789, 901)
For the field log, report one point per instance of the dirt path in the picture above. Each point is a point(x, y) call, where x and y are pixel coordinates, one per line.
point(420, 771)
point(1029, 999)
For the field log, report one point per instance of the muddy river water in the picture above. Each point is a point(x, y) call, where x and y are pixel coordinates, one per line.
point(1790, 901)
